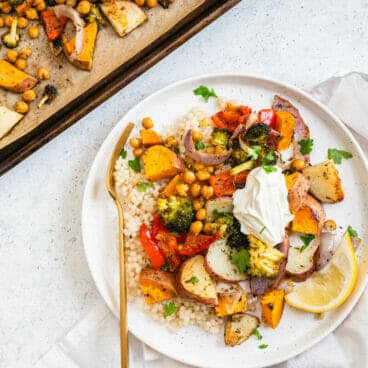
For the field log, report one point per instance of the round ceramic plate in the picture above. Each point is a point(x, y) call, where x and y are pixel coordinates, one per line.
point(298, 330)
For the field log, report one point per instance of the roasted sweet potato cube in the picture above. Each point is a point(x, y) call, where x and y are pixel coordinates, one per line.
point(150, 137)
point(272, 304)
point(285, 123)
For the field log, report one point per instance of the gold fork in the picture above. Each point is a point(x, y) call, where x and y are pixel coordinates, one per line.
point(110, 184)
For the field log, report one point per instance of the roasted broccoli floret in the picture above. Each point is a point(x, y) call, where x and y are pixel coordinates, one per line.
point(11, 39)
point(257, 135)
point(238, 156)
point(265, 260)
point(176, 213)
point(48, 96)
point(95, 15)
point(220, 137)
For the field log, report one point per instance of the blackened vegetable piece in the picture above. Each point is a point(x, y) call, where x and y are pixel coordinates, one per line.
point(49, 95)
point(238, 156)
point(257, 135)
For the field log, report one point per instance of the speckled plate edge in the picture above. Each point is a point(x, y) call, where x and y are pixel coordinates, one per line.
point(106, 149)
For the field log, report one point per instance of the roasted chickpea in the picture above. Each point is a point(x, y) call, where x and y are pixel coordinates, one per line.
point(189, 177)
point(203, 175)
point(171, 141)
point(71, 3)
point(135, 142)
point(1, 22)
point(329, 225)
point(41, 6)
point(84, 7)
point(22, 22)
point(29, 96)
point(147, 123)
point(43, 73)
point(195, 190)
point(201, 214)
point(197, 204)
point(198, 166)
point(196, 227)
point(32, 14)
point(197, 136)
point(12, 55)
point(210, 169)
point(20, 64)
point(25, 52)
point(8, 20)
point(140, 2)
point(151, 3)
point(6, 7)
point(33, 32)
point(298, 164)
point(21, 107)
point(137, 152)
point(207, 191)
point(182, 189)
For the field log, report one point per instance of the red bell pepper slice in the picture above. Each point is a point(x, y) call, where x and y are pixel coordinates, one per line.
point(169, 246)
point(156, 225)
point(54, 26)
point(222, 184)
point(196, 243)
point(153, 251)
point(231, 117)
point(241, 178)
point(267, 116)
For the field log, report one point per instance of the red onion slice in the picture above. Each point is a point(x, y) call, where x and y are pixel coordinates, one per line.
point(73, 15)
point(326, 249)
point(202, 157)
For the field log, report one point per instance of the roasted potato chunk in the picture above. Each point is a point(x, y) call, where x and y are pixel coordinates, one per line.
point(239, 328)
point(231, 300)
point(325, 183)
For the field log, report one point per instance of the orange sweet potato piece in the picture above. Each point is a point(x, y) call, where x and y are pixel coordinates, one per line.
point(272, 304)
point(298, 186)
point(160, 163)
point(231, 300)
point(150, 137)
point(157, 285)
point(284, 124)
point(14, 79)
point(170, 188)
point(309, 218)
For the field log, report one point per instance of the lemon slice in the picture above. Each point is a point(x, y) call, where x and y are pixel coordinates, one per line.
point(327, 289)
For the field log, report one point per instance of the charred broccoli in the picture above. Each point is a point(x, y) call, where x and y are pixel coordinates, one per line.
point(11, 39)
point(220, 137)
point(265, 260)
point(95, 15)
point(48, 96)
point(238, 156)
point(176, 213)
point(257, 135)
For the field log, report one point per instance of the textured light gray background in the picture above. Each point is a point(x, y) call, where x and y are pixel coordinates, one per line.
point(45, 285)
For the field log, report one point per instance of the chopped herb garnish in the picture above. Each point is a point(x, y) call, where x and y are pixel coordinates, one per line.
point(142, 187)
point(123, 153)
point(241, 260)
point(263, 229)
point(177, 150)
point(353, 233)
point(135, 164)
point(337, 155)
point(169, 309)
point(254, 152)
point(193, 280)
point(217, 214)
point(263, 346)
point(165, 267)
point(306, 239)
point(257, 334)
point(269, 168)
point(205, 92)
point(306, 146)
point(199, 145)
point(268, 163)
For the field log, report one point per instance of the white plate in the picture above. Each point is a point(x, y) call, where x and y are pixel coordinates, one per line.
point(297, 331)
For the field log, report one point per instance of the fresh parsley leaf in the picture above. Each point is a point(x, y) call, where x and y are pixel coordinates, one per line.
point(353, 233)
point(306, 146)
point(123, 153)
point(241, 260)
point(135, 164)
point(269, 168)
point(205, 92)
point(337, 155)
point(306, 239)
point(165, 267)
point(217, 214)
point(263, 346)
point(257, 334)
point(254, 152)
point(177, 150)
point(263, 229)
point(199, 145)
point(268, 163)
point(142, 187)
point(193, 280)
point(169, 309)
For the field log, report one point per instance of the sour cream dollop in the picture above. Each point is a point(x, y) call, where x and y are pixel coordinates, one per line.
point(262, 206)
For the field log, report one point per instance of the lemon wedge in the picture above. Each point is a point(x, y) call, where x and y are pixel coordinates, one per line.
point(327, 289)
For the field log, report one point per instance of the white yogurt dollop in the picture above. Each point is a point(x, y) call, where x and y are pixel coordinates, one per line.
point(262, 206)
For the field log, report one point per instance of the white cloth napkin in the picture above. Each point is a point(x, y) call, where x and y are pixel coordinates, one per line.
point(94, 341)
